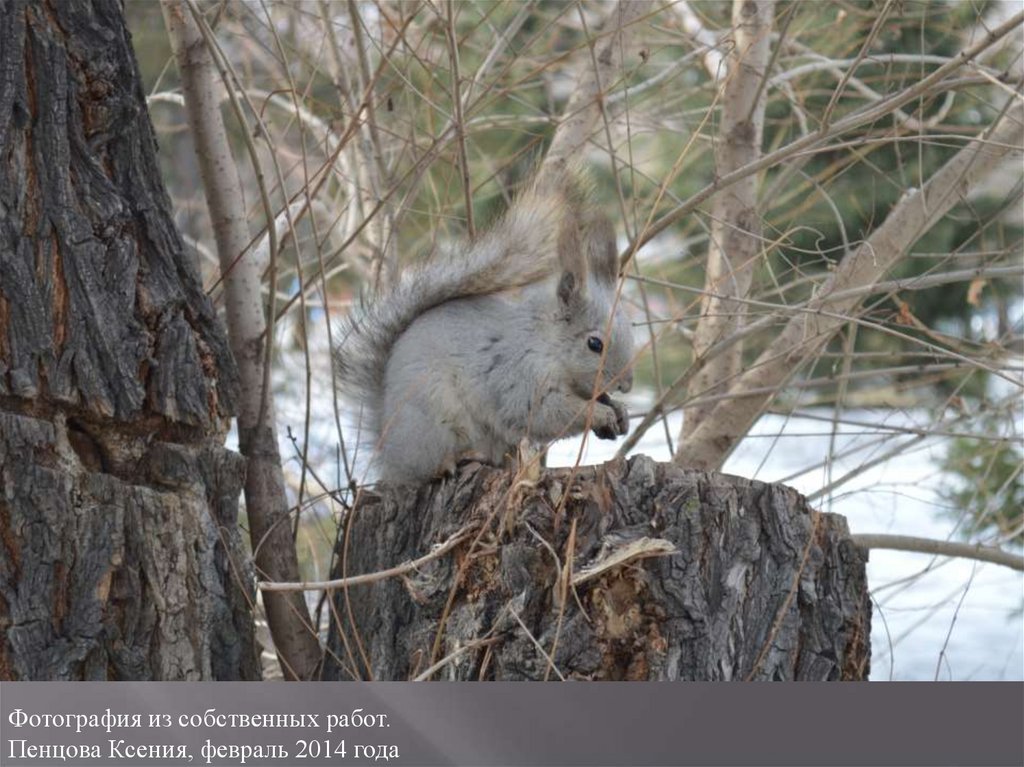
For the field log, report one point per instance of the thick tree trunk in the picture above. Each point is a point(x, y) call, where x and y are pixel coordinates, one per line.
point(675, 575)
point(119, 553)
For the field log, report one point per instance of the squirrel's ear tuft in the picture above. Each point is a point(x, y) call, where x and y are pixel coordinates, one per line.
point(602, 255)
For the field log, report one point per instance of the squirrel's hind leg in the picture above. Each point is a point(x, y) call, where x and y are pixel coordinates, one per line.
point(418, 448)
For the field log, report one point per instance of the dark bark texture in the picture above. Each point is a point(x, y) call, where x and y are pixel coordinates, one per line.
point(119, 555)
point(759, 586)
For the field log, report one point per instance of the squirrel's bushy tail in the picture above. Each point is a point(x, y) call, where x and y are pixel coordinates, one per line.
point(518, 250)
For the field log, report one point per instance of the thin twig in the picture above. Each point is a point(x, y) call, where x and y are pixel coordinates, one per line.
point(357, 580)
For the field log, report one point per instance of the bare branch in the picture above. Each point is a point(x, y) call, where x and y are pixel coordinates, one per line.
point(711, 57)
point(584, 108)
point(806, 333)
point(942, 548)
point(861, 117)
point(735, 230)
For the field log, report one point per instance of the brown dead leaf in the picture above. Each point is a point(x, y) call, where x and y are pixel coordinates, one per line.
point(904, 316)
point(974, 291)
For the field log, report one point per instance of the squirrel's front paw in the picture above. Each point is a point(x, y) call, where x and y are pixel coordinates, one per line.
point(611, 419)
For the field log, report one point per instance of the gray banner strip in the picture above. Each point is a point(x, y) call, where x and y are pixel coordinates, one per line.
point(511, 724)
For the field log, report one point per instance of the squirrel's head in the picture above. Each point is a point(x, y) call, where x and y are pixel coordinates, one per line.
point(594, 334)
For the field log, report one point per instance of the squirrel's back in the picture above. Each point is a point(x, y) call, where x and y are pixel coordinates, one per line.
point(520, 249)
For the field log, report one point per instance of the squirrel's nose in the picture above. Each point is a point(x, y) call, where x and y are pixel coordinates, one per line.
point(626, 381)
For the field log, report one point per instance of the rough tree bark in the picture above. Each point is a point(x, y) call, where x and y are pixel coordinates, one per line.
point(119, 551)
point(680, 575)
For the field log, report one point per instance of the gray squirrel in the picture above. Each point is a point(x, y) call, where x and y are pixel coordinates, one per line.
point(518, 334)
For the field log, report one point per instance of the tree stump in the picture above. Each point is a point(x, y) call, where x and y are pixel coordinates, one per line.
point(635, 570)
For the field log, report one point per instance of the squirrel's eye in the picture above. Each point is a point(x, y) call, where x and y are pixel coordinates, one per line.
point(595, 344)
